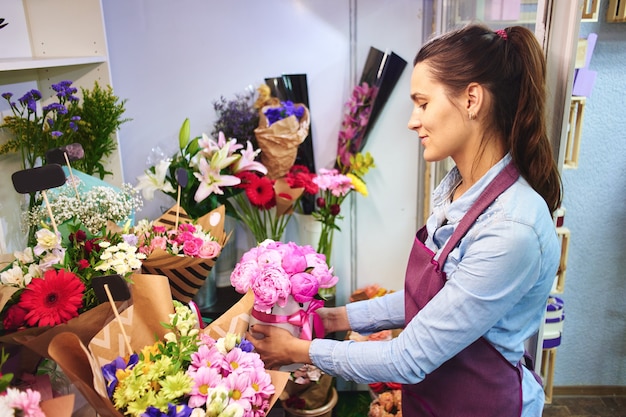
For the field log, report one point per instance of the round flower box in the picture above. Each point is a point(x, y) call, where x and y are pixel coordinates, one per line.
point(324, 411)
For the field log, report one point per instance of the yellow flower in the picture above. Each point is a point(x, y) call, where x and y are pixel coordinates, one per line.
point(358, 184)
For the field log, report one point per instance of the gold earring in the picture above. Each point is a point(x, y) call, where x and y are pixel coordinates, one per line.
point(472, 115)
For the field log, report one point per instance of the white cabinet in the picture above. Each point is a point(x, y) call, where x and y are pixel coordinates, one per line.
point(67, 41)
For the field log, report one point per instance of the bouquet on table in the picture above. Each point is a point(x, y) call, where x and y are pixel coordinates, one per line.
point(50, 282)
point(285, 280)
point(48, 288)
point(168, 365)
point(182, 250)
point(190, 371)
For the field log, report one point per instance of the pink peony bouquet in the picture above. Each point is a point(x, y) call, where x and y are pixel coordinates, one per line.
point(285, 279)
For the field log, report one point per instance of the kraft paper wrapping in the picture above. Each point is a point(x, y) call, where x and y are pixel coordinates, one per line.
point(82, 366)
point(186, 274)
point(279, 142)
point(59, 406)
point(284, 204)
point(37, 339)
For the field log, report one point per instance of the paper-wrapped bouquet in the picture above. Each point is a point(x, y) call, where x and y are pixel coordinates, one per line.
point(167, 362)
point(182, 250)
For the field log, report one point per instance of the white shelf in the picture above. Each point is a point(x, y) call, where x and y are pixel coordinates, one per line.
point(18, 64)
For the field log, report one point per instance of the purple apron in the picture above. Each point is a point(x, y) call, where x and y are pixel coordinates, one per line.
point(478, 381)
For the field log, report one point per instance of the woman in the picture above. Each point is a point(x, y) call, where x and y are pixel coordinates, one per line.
point(480, 271)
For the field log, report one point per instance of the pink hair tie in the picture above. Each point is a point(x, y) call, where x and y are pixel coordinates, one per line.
point(502, 33)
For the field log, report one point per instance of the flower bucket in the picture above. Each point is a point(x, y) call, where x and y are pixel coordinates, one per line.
point(296, 318)
point(324, 411)
point(309, 229)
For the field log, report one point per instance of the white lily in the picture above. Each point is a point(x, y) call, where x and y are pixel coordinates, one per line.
point(150, 182)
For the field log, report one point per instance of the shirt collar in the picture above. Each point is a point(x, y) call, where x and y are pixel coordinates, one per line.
point(454, 211)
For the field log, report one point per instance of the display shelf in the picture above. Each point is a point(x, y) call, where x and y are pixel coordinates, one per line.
point(53, 48)
point(616, 11)
point(574, 133)
point(590, 10)
point(548, 361)
point(564, 237)
point(20, 64)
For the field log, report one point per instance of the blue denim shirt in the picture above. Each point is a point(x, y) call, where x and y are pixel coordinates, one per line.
point(498, 281)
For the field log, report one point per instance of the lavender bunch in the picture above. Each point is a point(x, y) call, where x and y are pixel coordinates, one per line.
point(237, 118)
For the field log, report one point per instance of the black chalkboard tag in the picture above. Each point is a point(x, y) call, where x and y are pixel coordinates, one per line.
point(38, 179)
point(117, 286)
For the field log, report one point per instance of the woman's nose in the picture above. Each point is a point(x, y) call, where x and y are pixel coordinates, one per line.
point(414, 121)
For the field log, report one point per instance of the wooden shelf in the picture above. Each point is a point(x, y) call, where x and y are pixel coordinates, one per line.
point(19, 64)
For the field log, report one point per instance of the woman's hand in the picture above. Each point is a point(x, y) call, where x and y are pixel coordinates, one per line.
point(335, 319)
point(277, 346)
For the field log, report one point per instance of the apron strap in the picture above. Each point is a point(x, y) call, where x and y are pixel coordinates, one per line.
point(498, 185)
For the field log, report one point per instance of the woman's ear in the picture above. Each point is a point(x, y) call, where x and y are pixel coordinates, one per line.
point(475, 96)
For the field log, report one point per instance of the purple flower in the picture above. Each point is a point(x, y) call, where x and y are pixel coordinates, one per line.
point(172, 411)
point(246, 345)
point(286, 109)
point(7, 96)
point(55, 107)
point(56, 134)
point(109, 370)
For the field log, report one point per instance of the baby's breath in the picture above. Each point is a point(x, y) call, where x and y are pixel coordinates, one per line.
point(93, 207)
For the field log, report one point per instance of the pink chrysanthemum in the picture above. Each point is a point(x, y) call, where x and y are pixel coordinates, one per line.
point(203, 379)
point(206, 357)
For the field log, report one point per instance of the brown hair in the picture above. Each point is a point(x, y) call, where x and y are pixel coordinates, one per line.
point(511, 66)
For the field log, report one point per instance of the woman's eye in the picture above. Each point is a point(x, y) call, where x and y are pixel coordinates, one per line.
point(423, 106)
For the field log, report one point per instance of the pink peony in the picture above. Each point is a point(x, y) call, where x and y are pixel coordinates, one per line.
point(304, 287)
point(272, 287)
point(243, 276)
point(294, 259)
point(321, 271)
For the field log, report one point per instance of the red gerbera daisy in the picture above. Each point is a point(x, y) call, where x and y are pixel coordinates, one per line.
point(261, 193)
point(246, 178)
point(53, 299)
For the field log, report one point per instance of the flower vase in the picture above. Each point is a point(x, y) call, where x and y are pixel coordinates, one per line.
point(325, 247)
point(325, 410)
point(308, 229)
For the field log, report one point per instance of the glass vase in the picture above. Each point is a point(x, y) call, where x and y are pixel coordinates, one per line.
point(325, 247)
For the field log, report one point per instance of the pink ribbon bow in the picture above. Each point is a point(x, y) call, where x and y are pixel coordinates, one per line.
point(300, 319)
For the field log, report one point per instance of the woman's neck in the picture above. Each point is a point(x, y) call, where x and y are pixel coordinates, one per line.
point(473, 168)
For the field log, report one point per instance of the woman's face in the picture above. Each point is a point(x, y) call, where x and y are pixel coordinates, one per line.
point(440, 122)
